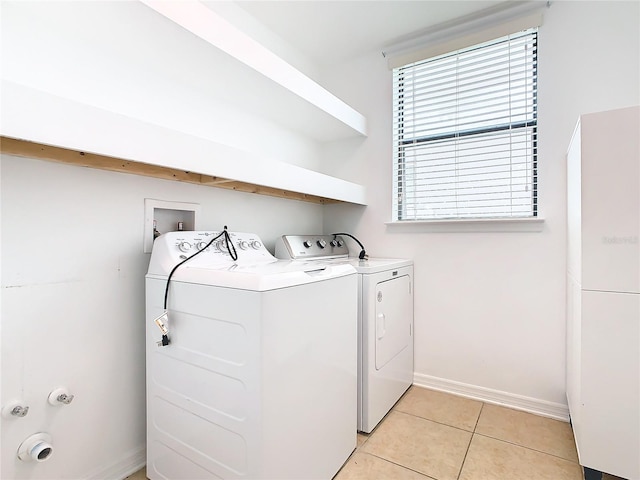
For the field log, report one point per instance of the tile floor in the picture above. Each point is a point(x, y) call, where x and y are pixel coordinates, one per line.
point(431, 435)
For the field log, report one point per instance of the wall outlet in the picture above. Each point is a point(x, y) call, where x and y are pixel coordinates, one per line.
point(162, 216)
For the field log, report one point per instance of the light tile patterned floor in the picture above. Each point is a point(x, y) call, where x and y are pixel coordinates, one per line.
point(437, 436)
point(430, 435)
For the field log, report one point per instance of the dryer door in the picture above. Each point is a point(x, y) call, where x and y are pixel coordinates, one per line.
point(394, 312)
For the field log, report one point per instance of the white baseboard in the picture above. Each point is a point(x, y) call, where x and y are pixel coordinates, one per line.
point(557, 411)
point(123, 467)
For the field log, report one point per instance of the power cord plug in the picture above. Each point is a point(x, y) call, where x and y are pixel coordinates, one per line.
point(161, 323)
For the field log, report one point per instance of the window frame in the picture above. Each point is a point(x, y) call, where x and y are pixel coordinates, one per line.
point(402, 144)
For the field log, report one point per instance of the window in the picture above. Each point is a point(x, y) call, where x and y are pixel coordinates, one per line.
point(465, 133)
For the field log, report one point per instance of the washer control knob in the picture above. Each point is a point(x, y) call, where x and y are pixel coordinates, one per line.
point(340, 243)
point(307, 244)
point(243, 244)
point(321, 243)
point(184, 246)
point(255, 244)
point(201, 245)
point(222, 246)
point(334, 243)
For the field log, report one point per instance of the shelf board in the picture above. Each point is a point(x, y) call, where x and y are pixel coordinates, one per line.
point(47, 120)
point(282, 87)
point(23, 148)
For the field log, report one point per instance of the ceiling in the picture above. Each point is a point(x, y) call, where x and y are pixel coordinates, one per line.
point(330, 32)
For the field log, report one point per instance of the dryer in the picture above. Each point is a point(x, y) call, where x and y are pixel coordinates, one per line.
point(385, 320)
point(259, 379)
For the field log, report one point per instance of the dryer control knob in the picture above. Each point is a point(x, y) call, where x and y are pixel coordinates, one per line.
point(184, 246)
point(321, 243)
point(243, 244)
point(201, 245)
point(255, 244)
point(307, 244)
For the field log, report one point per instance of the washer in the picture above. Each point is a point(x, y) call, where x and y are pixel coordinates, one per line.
point(385, 320)
point(259, 379)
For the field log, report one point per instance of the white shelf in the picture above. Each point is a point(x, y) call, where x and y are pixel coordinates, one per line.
point(46, 119)
point(175, 86)
point(282, 87)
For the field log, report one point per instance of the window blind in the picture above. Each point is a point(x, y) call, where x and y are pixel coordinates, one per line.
point(465, 132)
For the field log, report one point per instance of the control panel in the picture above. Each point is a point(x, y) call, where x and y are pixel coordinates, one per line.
point(311, 246)
point(171, 248)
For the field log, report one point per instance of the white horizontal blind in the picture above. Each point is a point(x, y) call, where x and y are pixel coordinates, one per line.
point(465, 133)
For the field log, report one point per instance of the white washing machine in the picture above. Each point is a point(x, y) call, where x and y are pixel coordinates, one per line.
point(385, 320)
point(259, 378)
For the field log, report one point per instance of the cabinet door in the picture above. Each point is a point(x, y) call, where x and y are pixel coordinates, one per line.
point(610, 195)
point(610, 383)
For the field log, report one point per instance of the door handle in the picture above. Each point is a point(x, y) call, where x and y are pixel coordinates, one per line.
point(381, 327)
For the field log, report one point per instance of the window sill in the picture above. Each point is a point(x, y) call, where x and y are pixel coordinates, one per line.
point(468, 225)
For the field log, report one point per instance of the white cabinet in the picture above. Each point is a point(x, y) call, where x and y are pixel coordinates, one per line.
point(609, 385)
point(603, 290)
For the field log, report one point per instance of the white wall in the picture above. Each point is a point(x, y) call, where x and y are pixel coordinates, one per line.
point(490, 306)
point(73, 304)
point(73, 266)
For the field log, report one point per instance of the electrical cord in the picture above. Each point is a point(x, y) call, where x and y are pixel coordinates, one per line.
point(363, 254)
point(232, 252)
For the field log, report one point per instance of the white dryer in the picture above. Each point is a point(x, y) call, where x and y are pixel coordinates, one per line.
point(385, 320)
point(259, 379)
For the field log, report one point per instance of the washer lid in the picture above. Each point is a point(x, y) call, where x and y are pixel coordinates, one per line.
point(260, 276)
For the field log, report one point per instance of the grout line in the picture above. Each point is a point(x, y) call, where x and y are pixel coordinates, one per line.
point(527, 448)
point(358, 447)
point(478, 419)
point(400, 465)
point(434, 421)
point(470, 440)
